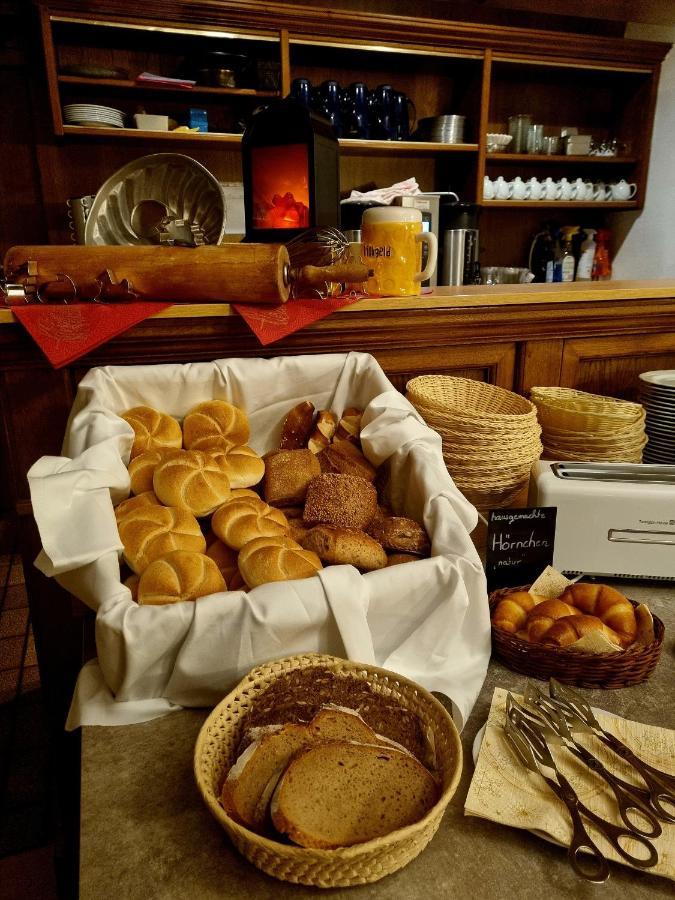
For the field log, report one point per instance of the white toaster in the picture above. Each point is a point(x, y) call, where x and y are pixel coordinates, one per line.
point(612, 519)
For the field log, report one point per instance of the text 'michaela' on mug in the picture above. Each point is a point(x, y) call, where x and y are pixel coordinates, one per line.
point(391, 246)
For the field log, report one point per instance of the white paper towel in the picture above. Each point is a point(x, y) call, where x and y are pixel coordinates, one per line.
point(427, 620)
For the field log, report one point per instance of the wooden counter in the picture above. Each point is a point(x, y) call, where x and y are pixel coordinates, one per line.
point(594, 336)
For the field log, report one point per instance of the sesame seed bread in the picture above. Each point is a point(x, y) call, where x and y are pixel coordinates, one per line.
point(288, 474)
point(340, 793)
point(347, 501)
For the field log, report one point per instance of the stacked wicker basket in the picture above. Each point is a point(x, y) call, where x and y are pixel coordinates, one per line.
point(490, 435)
point(588, 427)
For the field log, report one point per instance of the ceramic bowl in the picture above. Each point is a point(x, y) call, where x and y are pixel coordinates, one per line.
point(498, 142)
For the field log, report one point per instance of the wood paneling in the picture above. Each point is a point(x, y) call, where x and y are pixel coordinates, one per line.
point(611, 365)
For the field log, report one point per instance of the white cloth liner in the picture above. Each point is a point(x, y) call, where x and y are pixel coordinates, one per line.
point(427, 620)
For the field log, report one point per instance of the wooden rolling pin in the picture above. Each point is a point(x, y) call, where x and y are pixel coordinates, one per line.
point(253, 273)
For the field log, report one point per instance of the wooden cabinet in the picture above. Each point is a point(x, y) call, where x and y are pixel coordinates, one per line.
point(603, 86)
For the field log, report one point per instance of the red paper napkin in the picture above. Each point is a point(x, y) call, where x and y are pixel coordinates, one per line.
point(65, 332)
point(272, 323)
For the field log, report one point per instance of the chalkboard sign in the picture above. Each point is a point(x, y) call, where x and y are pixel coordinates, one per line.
point(519, 545)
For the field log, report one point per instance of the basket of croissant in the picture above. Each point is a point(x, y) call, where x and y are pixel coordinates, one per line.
point(591, 635)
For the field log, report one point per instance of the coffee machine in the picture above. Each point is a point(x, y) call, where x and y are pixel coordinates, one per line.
point(458, 243)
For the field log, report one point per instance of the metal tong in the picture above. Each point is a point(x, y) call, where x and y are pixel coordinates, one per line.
point(627, 800)
point(525, 732)
point(660, 785)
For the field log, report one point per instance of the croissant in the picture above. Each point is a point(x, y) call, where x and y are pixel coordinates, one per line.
point(511, 612)
point(611, 607)
point(569, 629)
point(544, 615)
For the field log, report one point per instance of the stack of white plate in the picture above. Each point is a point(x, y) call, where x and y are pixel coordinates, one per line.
point(657, 395)
point(92, 116)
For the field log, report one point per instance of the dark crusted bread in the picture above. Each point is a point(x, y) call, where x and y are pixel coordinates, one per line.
point(297, 696)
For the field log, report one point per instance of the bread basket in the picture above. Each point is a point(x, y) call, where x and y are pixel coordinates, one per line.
point(590, 670)
point(216, 748)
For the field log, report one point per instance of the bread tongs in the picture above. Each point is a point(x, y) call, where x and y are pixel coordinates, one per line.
point(525, 733)
point(660, 786)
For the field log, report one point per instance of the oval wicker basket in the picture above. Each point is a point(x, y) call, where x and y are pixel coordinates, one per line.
point(215, 752)
point(469, 399)
point(590, 670)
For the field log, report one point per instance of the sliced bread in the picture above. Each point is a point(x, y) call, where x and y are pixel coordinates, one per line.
point(252, 779)
point(339, 793)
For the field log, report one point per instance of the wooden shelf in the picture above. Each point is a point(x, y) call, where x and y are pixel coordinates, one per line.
point(357, 145)
point(145, 86)
point(122, 133)
point(534, 159)
point(562, 204)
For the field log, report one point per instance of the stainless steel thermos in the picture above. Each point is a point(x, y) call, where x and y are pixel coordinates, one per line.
point(459, 243)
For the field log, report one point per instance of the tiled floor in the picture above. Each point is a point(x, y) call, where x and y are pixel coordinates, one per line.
point(26, 841)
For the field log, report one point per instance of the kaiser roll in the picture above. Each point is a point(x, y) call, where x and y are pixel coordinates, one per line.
point(343, 500)
point(223, 556)
point(180, 575)
point(147, 498)
point(152, 429)
point(242, 464)
point(153, 531)
point(215, 424)
point(142, 468)
point(276, 559)
point(244, 520)
point(191, 480)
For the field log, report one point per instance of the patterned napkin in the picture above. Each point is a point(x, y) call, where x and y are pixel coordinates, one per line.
point(65, 332)
point(272, 323)
point(504, 791)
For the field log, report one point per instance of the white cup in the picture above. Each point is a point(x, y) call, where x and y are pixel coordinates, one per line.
point(503, 189)
point(519, 189)
point(622, 190)
point(537, 189)
point(488, 189)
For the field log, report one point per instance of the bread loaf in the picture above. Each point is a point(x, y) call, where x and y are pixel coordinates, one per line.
point(276, 559)
point(152, 430)
point(244, 520)
point(191, 480)
point(396, 559)
point(349, 426)
point(400, 533)
point(241, 464)
point(132, 583)
point(147, 498)
point(343, 500)
point(609, 605)
point(339, 793)
point(142, 468)
point(345, 458)
point(287, 476)
point(180, 575)
point(215, 424)
point(297, 427)
point(154, 531)
point(322, 435)
point(511, 613)
point(345, 546)
point(569, 629)
point(544, 614)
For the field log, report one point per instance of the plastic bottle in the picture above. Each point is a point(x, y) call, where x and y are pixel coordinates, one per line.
point(585, 267)
point(568, 262)
point(557, 258)
point(602, 266)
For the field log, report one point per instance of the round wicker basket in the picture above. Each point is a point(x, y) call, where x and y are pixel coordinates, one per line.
point(215, 752)
point(591, 670)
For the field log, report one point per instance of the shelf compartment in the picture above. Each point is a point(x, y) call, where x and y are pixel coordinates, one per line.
point(119, 83)
point(122, 133)
point(536, 159)
point(561, 204)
